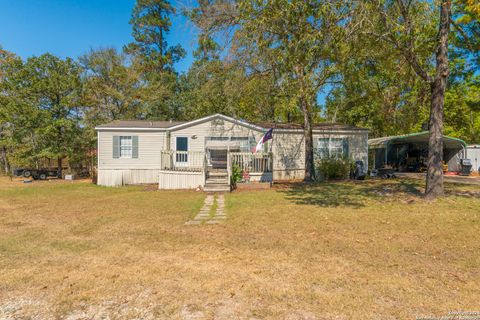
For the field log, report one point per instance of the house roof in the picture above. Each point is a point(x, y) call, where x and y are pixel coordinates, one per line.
point(419, 137)
point(217, 116)
point(317, 126)
point(143, 124)
point(261, 126)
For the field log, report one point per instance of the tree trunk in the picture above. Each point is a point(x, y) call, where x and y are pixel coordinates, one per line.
point(307, 132)
point(59, 167)
point(434, 183)
point(4, 159)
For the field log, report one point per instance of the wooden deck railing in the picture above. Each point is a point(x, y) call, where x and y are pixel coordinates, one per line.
point(259, 162)
point(182, 160)
point(252, 162)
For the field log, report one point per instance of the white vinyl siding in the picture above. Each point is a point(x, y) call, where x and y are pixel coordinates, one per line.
point(146, 156)
point(115, 178)
point(288, 155)
point(289, 150)
point(199, 134)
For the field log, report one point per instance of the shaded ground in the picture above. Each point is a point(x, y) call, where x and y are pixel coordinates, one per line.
point(473, 179)
point(369, 250)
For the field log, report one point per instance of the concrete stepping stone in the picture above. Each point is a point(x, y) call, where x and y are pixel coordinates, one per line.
point(193, 222)
point(204, 214)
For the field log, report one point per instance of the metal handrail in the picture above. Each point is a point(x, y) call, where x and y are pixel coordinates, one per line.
point(229, 169)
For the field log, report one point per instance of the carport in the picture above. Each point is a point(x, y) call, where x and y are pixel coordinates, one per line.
point(409, 153)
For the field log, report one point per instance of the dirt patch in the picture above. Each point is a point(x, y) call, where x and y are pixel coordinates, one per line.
point(252, 186)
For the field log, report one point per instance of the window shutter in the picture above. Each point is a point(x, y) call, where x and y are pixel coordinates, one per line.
point(135, 147)
point(116, 147)
point(346, 151)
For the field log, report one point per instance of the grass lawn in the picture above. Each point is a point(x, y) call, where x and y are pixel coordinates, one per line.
point(370, 250)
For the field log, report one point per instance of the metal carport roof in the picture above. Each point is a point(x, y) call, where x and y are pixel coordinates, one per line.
point(419, 137)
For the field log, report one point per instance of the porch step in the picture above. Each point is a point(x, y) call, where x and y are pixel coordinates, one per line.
point(217, 175)
point(216, 188)
point(215, 180)
point(218, 182)
point(218, 172)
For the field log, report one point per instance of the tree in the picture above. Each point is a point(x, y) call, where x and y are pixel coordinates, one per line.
point(112, 87)
point(241, 84)
point(462, 110)
point(376, 90)
point(20, 117)
point(306, 39)
point(53, 86)
point(406, 25)
point(154, 59)
point(301, 39)
point(151, 23)
point(9, 66)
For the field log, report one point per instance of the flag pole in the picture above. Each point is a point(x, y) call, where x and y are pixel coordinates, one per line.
point(271, 140)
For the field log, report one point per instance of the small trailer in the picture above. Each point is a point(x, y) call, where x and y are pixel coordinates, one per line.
point(36, 174)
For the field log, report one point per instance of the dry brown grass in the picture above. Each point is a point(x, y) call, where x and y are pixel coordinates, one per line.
point(371, 250)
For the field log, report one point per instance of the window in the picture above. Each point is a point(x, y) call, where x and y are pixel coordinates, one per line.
point(246, 143)
point(182, 148)
point(331, 147)
point(217, 138)
point(336, 149)
point(126, 147)
point(322, 150)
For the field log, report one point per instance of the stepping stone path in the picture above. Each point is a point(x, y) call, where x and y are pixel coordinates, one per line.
point(204, 214)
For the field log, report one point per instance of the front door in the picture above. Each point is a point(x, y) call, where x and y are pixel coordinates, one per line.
point(218, 158)
point(181, 156)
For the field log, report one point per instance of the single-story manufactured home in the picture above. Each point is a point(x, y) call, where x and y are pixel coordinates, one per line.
point(409, 153)
point(202, 152)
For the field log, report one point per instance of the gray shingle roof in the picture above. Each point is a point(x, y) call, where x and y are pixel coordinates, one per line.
point(140, 124)
point(135, 124)
point(317, 126)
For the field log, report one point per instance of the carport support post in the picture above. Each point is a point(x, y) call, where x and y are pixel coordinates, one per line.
point(386, 153)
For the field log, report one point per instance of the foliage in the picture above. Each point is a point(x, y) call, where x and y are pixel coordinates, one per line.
point(329, 168)
point(294, 43)
point(151, 23)
point(41, 109)
point(54, 88)
point(112, 87)
point(462, 110)
point(236, 175)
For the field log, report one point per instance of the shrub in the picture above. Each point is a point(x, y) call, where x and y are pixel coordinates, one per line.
point(236, 176)
point(333, 168)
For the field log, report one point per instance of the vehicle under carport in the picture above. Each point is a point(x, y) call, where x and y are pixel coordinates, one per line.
point(409, 153)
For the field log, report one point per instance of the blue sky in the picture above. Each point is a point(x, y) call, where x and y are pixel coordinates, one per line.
point(71, 27)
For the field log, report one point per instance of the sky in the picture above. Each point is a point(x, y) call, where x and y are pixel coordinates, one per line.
point(70, 28)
